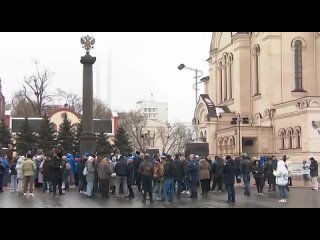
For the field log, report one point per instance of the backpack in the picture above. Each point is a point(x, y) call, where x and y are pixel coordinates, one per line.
point(147, 169)
point(194, 166)
point(68, 166)
point(85, 171)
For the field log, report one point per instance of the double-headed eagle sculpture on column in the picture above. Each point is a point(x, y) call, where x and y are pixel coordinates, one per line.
point(87, 42)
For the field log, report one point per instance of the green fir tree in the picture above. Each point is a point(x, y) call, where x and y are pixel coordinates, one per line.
point(26, 140)
point(103, 145)
point(65, 134)
point(46, 135)
point(5, 135)
point(122, 141)
point(77, 137)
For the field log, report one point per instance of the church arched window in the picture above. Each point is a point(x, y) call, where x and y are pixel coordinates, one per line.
point(225, 78)
point(230, 76)
point(257, 70)
point(298, 65)
point(221, 81)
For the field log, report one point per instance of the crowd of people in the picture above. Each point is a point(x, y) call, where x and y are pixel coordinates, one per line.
point(162, 178)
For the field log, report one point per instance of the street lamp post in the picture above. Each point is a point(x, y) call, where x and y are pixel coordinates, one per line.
point(180, 67)
point(238, 120)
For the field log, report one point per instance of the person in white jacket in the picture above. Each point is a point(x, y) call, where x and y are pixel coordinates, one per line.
point(20, 174)
point(281, 175)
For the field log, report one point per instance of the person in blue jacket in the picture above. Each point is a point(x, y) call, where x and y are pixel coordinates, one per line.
point(5, 163)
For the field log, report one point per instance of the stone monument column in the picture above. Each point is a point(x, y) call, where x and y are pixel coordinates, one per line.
point(88, 137)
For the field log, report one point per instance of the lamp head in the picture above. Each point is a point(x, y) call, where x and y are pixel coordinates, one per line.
point(204, 79)
point(181, 66)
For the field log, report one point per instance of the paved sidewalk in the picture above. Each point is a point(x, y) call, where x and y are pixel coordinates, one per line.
point(298, 197)
point(295, 184)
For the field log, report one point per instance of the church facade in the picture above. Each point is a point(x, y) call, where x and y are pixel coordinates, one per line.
point(262, 96)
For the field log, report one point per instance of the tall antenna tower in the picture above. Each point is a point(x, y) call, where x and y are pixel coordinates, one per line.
point(98, 89)
point(109, 77)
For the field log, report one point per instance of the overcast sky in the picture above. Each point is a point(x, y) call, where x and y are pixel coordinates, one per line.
point(142, 64)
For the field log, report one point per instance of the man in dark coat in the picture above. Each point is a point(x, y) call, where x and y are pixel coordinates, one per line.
point(180, 173)
point(146, 170)
point(81, 177)
point(193, 171)
point(57, 173)
point(104, 174)
point(217, 174)
point(47, 173)
point(245, 169)
point(137, 159)
point(237, 162)
point(268, 174)
point(130, 177)
point(121, 170)
point(229, 170)
point(96, 162)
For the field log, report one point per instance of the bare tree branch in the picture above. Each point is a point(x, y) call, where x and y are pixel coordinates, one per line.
point(35, 90)
point(135, 123)
point(71, 99)
point(20, 106)
point(173, 138)
point(101, 110)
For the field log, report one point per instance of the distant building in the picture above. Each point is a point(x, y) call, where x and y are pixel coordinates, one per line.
point(2, 102)
point(154, 110)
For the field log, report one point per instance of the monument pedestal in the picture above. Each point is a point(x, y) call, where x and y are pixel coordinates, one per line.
point(197, 148)
point(88, 143)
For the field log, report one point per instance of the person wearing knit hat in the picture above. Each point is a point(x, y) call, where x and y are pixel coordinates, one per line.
point(130, 177)
point(229, 178)
point(146, 170)
point(314, 173)
point(121, 170)
point(2, 170)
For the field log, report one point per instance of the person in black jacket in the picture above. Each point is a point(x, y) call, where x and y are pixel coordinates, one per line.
point(258, 175)
point(57, 173)
point(245, 169)
point(121, 170)
point(237, 162)
point(180, 173)
point(229, 170)
point(217, 174)
point(47, 173)
point(209, 160)
point(130, 177)
point(81, 178)
point(146, 170)
point(268, 174)
point(137, 159)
